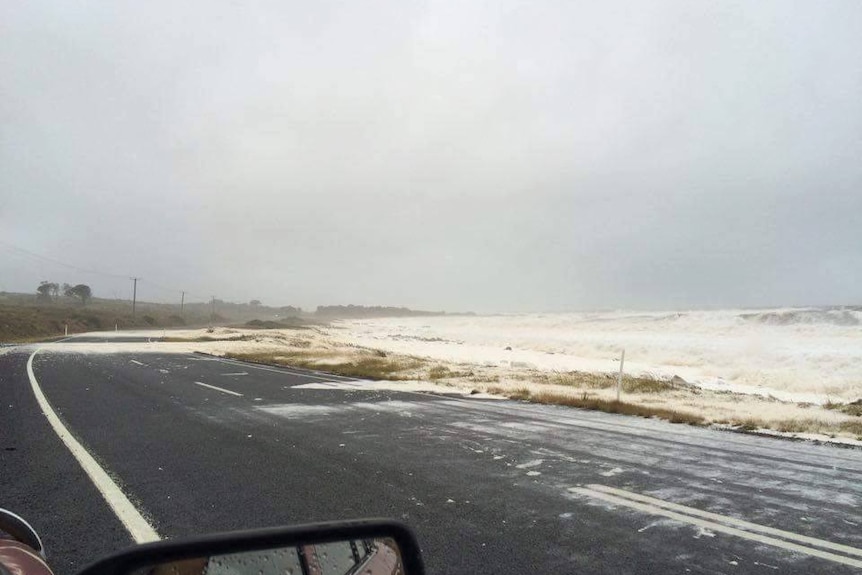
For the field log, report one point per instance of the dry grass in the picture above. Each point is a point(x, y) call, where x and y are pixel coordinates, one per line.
point(806, 425)
point(750, 424)
point(439, 372)
point(853, 408)
point(854, 427)
point(578, 379)
point(442, 372)
point(484, 378)
point(802, 425)
point(363, 366)
point(583, 380)
point(586, 401)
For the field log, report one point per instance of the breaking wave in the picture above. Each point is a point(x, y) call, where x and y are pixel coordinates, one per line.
point(815, 351)
point(851, 316)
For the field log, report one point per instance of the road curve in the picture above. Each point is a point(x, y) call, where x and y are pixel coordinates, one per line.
point(199, 445)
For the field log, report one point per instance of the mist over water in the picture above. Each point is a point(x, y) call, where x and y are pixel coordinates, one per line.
point(803, 354)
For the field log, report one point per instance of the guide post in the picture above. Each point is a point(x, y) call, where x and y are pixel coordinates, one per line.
point(620, 377)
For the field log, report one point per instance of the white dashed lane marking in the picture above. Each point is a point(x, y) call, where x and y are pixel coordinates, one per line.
point(221, 389)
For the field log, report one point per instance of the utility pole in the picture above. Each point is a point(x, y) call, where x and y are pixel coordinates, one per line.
point(134, 295)
point(212, 310)
point(182, 303)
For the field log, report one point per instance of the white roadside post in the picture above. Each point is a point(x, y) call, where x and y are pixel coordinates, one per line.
point(66, 330)
point(620, 377)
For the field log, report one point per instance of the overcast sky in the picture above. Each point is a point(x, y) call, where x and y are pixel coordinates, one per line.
point(493, 156)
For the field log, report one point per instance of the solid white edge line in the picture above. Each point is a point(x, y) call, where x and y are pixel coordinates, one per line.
point(138, 527)
point(712, 526)
point(218, 388)
point(730, 520)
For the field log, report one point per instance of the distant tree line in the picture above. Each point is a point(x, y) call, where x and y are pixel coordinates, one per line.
point(50, 291)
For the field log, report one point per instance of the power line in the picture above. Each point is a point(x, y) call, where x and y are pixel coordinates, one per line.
point(99, 272)
point(170, 289)
point(58, 262)
point(158, 286)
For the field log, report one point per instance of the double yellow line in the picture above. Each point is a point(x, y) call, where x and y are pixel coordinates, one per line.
point(723, 524)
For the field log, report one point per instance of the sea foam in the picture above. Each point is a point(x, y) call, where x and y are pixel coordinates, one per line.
point(804, 354)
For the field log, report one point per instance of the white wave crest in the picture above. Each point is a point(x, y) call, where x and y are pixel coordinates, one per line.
point(811, 352)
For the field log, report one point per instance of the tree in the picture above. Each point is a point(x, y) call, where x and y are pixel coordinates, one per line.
point(254, 302)
point(80, 291)
point(47, 290)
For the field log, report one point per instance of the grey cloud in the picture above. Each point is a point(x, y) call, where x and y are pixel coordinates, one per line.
point(511, 156)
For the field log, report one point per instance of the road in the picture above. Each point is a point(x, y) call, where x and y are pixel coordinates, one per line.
point(200, 444)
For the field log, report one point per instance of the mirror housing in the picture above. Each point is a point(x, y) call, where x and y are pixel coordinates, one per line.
point(134, 560)
point(21, 531)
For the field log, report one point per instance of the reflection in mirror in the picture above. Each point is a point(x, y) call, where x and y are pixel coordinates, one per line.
point(355, 557)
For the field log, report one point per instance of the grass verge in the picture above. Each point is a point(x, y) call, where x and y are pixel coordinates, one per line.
point(589, 402)
point(370, 366)
point(26, 323)
point(631, 384)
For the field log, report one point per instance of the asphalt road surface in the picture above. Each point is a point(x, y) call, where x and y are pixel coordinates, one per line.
point(201, 445)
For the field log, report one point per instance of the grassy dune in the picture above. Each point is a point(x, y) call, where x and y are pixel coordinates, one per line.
point(25, 318)
point(34, 322)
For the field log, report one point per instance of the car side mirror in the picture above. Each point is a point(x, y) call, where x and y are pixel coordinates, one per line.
point(365, 547)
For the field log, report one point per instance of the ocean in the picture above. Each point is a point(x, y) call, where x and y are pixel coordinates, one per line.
point(799, 354)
